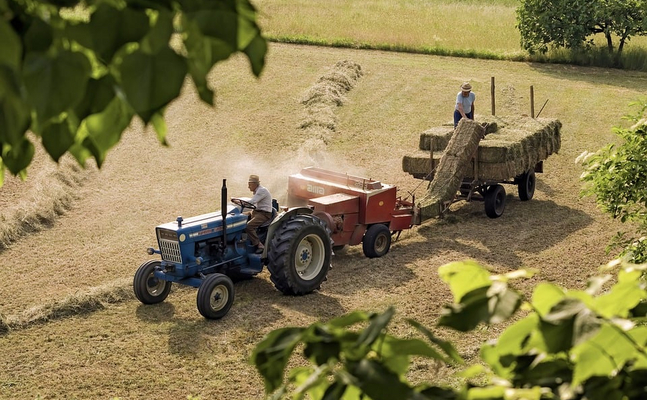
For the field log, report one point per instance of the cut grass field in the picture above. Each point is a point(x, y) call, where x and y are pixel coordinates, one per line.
point(169, 351)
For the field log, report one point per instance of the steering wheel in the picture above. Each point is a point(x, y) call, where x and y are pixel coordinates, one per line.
point(243, 203)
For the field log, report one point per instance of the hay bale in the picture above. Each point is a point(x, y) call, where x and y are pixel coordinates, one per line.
point(439, 136)
point(516, 146)
point(452, 167)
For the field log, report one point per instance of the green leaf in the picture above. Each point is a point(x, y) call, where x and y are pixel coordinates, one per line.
point(545, 296)
point(568, 323)
point(272, 354)
point(159, 35)
point(487, 393)
point(322, 352)
point(335, 391)
point(14, 110)
point(57, 139)
point(110, 29)
point(98, 94)
point(349, 319)
point(446, 346)
point(10, 46)
point(103, 130)
point(463, 277)
point(394, 347)
point(623, 297)
point(486, 304)
point(55, 82)
point(17, 158)
point(39, 36)
point(160, 127)
point(256, 51)
point(151, 81)
point(378, 382)
point(515, 338)
point(375, 328)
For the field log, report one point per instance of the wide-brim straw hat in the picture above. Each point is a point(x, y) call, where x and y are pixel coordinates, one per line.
point(466, 87)
point(254, 179)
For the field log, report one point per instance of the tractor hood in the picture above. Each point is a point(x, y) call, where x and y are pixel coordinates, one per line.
point(202, 226)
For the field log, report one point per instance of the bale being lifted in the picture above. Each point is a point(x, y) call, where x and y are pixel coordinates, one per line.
point(452, 168)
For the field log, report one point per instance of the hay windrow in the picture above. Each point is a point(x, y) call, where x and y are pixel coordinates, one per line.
point(94, 299)
point(31, 206)
point(321, 100)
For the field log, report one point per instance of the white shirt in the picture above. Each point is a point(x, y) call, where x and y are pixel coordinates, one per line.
point(262, 199)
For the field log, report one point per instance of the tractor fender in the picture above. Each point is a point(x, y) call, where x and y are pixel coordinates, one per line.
point(276, 222)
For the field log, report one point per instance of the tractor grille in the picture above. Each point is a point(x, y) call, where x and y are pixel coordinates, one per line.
point(170, 251)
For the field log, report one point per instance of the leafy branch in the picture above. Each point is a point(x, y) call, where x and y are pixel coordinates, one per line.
point(571, 344)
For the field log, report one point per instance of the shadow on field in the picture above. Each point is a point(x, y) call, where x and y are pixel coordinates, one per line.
point(630, 80)
point(525, 227)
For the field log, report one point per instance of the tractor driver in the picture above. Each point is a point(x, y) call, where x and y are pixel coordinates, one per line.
point(262, 199)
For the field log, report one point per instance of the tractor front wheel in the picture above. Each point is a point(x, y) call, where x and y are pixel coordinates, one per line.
point(299, 255)
point(147, 287)
point(215, 296)
point(377, 241)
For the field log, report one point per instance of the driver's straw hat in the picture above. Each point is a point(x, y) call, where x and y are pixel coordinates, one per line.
point(253, 179)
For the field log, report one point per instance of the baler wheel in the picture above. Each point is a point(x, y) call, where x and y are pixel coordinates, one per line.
point(526, 185)
point(149, 289)
point(377, 241)
point(299, 255)
point(495, 201)
point(215, 296)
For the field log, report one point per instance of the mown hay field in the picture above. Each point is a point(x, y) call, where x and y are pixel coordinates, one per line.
point(62, 346)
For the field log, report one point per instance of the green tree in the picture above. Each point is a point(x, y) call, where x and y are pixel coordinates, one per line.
point(572, 23)
point(570, 344)
point(75, 73)
point(616, 175)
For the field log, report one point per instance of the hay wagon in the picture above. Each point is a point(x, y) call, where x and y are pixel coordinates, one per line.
point(473, 161)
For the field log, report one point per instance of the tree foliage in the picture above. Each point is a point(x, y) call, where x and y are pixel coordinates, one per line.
point(75, 73)
point(616, 175)
point(570, 344)
point(572, 23)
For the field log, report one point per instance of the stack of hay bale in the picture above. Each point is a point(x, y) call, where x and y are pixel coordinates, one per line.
point(511, 147)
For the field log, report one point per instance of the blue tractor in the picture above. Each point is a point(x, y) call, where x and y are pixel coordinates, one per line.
point(211, 251)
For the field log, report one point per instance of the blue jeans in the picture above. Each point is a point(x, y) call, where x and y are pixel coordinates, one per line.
point(458, 116)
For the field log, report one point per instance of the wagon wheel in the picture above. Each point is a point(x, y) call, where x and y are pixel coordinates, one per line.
point(495, 201)
point(526, 185)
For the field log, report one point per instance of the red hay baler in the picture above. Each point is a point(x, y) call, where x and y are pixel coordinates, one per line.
point(356, 210)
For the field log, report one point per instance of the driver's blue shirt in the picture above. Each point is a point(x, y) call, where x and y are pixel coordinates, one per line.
point(262, 199)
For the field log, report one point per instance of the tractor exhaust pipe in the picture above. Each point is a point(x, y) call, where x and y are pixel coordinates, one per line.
point(223, 212)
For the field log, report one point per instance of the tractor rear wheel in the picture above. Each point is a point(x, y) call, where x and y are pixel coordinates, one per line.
point(377, 241)
point(495, 201)
point(299, 255)
point(147, 287)
point(215, 296)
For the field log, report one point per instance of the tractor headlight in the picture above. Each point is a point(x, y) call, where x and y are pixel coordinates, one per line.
point(199, 260)
point(150, 251)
